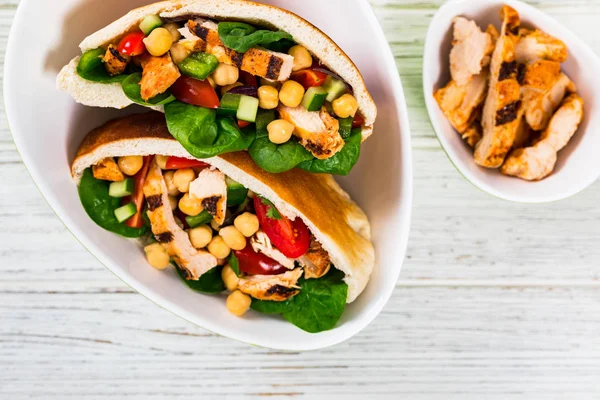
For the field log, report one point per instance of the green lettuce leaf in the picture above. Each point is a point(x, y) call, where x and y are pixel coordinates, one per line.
point(242, 37)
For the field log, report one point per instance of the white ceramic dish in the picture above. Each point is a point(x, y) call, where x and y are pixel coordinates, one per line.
point(48, 126)
point(578, 165)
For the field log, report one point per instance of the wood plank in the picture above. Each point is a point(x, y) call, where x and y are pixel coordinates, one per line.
point(429, 342)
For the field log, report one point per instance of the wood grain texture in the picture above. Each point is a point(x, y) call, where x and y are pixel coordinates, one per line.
point(496, 300)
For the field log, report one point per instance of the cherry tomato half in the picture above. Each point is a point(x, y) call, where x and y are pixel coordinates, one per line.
point(292, 238)
point(309, 78)
point(243, 124)
point(253, 263)
point(196, 92)
point(181, 162)
point(358, 121)
point(132, 44)
point(137, 221)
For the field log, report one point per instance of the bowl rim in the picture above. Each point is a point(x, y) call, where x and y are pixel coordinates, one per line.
point(318, 341)
point(430, 49)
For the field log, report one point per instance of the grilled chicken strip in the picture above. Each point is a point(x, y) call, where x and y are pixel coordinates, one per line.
point(523, 135)
point(537, 45)
point(261, 243)
point(502, 110)
point(272, 287)
point(114, 62)
point(193, 262)
point(316, 262)
point(160, 73)
point(108, 170)
point(544, 88)
point(537, 162)
point(260, 62)
point(473, 134)
point(211, 189)
point(470, 52)
point(318, 132)
point(460, 103)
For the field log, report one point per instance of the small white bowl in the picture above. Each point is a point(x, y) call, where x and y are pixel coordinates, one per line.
point(578, 165)
point(48, 127)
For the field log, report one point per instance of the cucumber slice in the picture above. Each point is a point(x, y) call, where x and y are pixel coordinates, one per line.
point(150, 23)
point(201, 219)
point(335, 88)
point(199, 65)
point(248, 108)
point(346, 127)
point(314, 98)
point(125, 212)
point(122, 188)
point(229, 105)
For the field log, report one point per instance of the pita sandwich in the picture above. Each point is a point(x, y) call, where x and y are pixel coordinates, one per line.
point(329, 250)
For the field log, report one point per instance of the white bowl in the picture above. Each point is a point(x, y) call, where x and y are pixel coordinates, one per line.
point(48, 127)
point(578, 165)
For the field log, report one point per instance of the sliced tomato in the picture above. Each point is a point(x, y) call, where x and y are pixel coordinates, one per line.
point(248, 79)
point(292, 238)
point(181, 162)
point(137, 221)
point(196, 92)
point(253, 263)
point(309, 78)
point(132, 44)
point(243, 124)
point(358, 121)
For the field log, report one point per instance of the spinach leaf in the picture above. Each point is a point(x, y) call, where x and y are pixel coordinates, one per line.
point(234, 264)
point(202, 134)
point(210, 282)
point(242, 37)
point(342, 162)
point(199, 65)
point(271, 157)
point(100, 207)
point(132, 89)
point(317, 308)
point(91, 68)
point(282, 46)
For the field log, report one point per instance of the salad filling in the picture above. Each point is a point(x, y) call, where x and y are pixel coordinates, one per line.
point(230, 86)
point(219, 235)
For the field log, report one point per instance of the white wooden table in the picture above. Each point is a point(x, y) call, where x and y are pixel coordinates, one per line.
point(496, 300)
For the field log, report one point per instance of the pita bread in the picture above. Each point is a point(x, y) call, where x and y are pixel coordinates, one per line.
point(336, 221)
point(304, 33)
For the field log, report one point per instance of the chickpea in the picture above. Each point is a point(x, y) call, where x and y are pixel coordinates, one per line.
point(230, 279)
point(174, 202)
point(161, 161)
point(189, 206)
point(215, 225)
point(225, 74)
point(157, 256)
point(201, 236)
point(238, 303)
point(131, 165)
point(247, 224)
point(227, 88)
point(268, 97)
point(173, 29)
point(302, 58)
point(212, 82)
point(218, 248)
point(179, 52)
point(170, 182)
point(233, 238)
point(280, 131)
point(159, 42)
point(346, 106)
point(182, 179)
point(291, 94)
